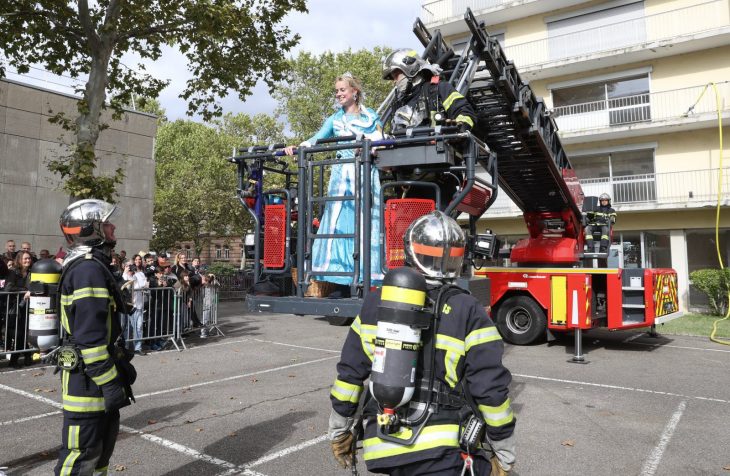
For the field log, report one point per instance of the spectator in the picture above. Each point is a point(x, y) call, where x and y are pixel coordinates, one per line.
point(25, 246)
point(122, 256)
point(45, 254)
point(181, 263)
point(9, 254)
point(196, 265)
point(60, 256)
point(209, 284)
point(20, 281)
point(133, 273)
point(161, 307)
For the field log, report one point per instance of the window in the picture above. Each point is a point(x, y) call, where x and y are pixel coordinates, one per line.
point(218, 252)
point(702, 254)
point(188, 252)
point(607, 103)
point(591, 30)
point(627, 175)
point(226, 252)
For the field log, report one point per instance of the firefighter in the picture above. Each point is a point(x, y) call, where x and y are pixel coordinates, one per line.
point(603, 218)
point(423, 100)
point(96, 373)
point(461, 345)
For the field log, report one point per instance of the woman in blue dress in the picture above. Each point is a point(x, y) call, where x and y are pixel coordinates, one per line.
point(336, 254)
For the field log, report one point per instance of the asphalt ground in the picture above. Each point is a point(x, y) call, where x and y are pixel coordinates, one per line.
point(256, 402)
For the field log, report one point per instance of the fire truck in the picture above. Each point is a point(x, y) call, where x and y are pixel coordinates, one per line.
point(552, 286)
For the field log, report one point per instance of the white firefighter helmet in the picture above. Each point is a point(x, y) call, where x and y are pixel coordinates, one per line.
point(83, 223)
point(435, 245)
point(407, 61)
point(604, 196)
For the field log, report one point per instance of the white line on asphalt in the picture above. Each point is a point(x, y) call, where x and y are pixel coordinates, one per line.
point(153, 438)
point(297, 346)
point(651, 464)
point(199, 347)
point(618, 387)
point(234, 377)
point(28, 369)
point(34, 417)
point(275, 455)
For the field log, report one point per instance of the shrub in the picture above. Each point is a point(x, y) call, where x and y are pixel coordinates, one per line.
point(221, 269)
point(715, 284)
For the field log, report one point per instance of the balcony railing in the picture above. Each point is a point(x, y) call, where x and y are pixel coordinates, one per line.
point(647, 191)
point(660, 26)
point(654, 107)
point(440, 10)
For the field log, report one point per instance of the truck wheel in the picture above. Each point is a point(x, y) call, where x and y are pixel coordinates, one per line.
point(339, 320)
point(521, 320)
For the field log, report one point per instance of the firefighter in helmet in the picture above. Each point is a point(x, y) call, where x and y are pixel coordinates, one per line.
point(423, 100)
point(604, 218)
point(438, 400)
point(96, 372)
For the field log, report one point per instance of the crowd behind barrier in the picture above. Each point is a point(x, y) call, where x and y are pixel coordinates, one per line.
point(167, 300)
point(169, 316)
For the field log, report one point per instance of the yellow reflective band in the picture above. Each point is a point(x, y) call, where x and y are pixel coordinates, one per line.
point(95, 354)
point(368, 339)
point(451, 361)
point(66, 299)
point(407, 296)
point(481, 336)
point(106, 377)
point(90, 293)
point(83, 404)
point(412, 53)
point(431, 437)
point(68, 463)
point(356, 325)
point(449, 343)
point(48, 278)
point(64, 320)
point(452, 97)
point(346, 392)
point(497, 416)
point(464, 119)
point(73, 437)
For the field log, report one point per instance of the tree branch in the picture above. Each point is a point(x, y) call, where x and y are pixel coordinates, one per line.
point(87, 25)
point(172, 27)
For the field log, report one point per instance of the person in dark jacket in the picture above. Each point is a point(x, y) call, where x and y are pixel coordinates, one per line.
point(468, 361)
point(19, 280)
point(604, 218)
point(94, 391)
point(423, 100)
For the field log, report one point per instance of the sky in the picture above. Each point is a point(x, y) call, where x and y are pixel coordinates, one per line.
point(330, 25)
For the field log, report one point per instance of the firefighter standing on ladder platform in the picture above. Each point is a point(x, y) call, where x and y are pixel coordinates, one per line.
point(603, 218)
point(423, 100)
point(96, 374)
point(466, 398)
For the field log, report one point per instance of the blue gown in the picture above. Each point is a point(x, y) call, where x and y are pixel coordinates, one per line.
point(339, 217)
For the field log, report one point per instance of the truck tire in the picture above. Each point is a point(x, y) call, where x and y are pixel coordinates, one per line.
point(520, 320)
point(339, 320)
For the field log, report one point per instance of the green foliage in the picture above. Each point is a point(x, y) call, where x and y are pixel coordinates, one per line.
point(306, 98)
point(195, 196)
point(222, 269)
point(228, 45)
point(715, 284)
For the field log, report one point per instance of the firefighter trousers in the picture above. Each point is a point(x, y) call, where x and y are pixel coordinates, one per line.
point(451, 464)
point(88, 443)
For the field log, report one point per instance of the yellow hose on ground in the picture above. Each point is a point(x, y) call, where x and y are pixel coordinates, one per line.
point(719, 200)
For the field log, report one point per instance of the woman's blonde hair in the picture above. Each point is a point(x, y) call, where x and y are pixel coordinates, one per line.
point(354, 83)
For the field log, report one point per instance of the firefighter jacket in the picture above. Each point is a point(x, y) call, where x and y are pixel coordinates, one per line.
point(468, 352)
point(88, 316)
point(602, 216)
point(428, 98)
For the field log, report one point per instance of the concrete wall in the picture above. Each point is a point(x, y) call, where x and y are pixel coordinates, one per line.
point(30, 197)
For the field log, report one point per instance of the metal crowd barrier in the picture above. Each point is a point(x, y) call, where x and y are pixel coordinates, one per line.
point(168, 315)
point(14, 337)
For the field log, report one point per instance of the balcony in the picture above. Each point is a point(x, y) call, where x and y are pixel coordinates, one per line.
point(673, 32)
point(657, 191)
point(447, 15)
point(687, 108)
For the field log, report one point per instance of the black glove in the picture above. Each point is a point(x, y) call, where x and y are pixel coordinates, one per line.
point(114, 396)
point(463, 126)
